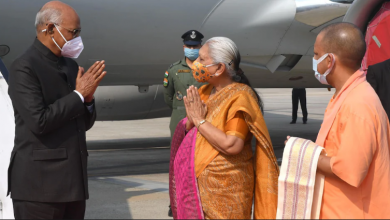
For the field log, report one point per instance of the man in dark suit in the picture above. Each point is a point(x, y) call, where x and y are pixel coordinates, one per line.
point(378, 76)
point(54, 107)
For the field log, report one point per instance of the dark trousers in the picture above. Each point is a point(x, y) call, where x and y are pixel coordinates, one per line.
point(299, 95)
point(47, 210)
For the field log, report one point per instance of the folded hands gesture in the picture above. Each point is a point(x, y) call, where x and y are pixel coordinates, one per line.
point(195, 107)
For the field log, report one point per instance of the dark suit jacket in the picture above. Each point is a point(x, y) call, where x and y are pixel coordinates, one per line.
point(49, 159)
point(378, 76)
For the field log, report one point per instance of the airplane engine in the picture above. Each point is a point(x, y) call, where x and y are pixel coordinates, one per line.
point(130, 102)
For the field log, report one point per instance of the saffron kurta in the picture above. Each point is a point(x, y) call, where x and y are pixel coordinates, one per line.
point(358, 142)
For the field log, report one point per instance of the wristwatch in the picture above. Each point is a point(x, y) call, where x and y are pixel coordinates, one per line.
point(90, 103)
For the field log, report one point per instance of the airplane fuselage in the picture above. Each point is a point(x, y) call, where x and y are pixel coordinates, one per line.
point(139, 39)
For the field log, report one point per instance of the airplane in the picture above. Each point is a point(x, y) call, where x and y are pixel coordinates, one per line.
point(139, 39)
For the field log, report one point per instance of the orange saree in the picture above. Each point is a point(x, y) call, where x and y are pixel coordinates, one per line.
point(228, 184)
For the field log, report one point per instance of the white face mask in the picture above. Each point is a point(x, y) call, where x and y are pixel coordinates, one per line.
point(322, 77)
point(72, 48)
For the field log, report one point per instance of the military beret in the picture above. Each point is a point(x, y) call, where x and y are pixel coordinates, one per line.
point(192, 37)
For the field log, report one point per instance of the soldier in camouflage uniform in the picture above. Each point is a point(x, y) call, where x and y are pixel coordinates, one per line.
point(179, 77)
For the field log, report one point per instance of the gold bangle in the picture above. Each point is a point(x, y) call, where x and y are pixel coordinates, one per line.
point(200, 123)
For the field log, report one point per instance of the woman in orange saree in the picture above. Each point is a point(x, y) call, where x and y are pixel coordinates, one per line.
point(213, 173)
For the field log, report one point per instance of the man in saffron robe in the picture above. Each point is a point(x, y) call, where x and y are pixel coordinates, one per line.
point(355, 130)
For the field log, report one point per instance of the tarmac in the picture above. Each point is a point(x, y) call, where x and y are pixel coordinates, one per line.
point(129, 160)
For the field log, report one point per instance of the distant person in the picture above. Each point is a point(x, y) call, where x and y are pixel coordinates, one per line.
point(355, 132)
point(54, 107)
point(178, 78)
point(298, 94)
point(378, 76)
point(215, 173)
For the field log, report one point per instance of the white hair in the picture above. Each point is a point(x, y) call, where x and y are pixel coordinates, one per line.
point(224, 50)
point(47, 15)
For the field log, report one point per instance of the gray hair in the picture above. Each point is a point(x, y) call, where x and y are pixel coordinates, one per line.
point(224, 50)
point(47, 15)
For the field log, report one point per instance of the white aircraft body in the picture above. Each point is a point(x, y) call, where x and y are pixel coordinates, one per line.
point(139, 39)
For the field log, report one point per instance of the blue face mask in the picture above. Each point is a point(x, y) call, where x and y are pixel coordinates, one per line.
point(191, 54)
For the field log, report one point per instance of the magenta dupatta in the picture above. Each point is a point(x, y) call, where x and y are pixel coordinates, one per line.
point(183, 186)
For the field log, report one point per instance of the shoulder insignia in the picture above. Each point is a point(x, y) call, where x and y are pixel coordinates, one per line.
point(165, 82)
point(173, 64)
point(166, 74)
point(184, 71)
